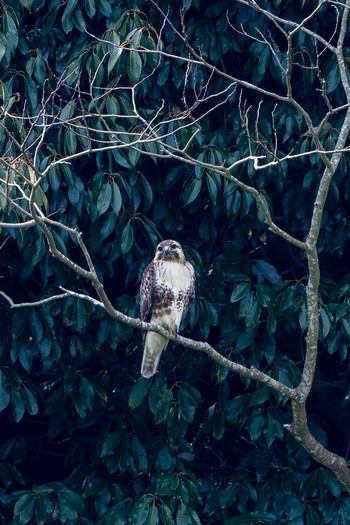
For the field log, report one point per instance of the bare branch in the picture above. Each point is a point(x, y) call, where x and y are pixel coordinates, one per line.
point(41, 302)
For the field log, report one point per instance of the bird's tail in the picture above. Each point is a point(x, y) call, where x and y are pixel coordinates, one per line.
point(154, 346)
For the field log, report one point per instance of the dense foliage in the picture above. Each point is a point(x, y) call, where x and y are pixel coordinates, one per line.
point(84, 439)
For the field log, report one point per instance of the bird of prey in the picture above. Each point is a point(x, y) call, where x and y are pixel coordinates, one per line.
point(166, 293)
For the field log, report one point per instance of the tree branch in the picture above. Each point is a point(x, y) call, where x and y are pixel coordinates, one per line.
point(250, 373)
point(299, 429)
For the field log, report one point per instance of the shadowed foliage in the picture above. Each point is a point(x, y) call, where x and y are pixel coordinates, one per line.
point(85, 439)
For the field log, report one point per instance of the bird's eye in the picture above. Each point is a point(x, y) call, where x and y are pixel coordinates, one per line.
point(173, 246)
point(160, 249)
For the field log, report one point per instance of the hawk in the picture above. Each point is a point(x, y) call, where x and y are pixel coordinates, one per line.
point(166, 293)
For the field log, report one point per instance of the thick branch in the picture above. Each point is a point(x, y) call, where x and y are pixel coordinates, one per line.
point(300, 431)
point(315, 226)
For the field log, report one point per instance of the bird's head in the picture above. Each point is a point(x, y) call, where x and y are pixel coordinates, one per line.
point(169, 251)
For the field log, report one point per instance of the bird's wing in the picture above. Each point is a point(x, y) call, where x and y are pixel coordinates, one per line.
point(190, 290)
point(147, 293)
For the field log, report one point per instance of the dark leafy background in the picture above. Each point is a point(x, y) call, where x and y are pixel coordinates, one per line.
point(84, 439)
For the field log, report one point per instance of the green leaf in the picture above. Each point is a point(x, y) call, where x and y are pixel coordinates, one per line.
point(140, 511)
point(163, 406)
point(67, 22)
point(90, 8)
point(266, 270)
point(236, 406)
point(252, 316)
point(84, 400)
point(40, 198)
point(239, 292)
point(325, 324)
point(260, 70)
point(110, 443)
point(104, 198)
point(256, 427)
point(245, 339)
point(42, 490)
point(303, 318)
point(70, 141)
point(345, 327)
point(134, 155)
point(272, 429)
point(121, 159)
point(182, 515)
point(166, 515)
point(309, 485)
point(18, 406)
point(187, 406)
point(192, 191)
point(288, 297)
point(65, 505)
point(263, 294)
point(138, 392)
point(36, 326)
point(152, 58)
point(127, 238)
point(39, 70)
point(26, 3)
point(103, 331)
point(102, 500)
point(218, 422)
point(25, 356)
point(139, 454)
point(19, 451)
point(163, 75)
point(67, 111)
point(153, 516)
point(24, 508)
point(10, 31)
point(2, 49)
point(271, 322)
point(166, 462)
point(260, 396)
point(136, 38)
point(333, 79)
point(332, 483)
point(212, 188)
point(113, 58)
point(112, 106)
point(208, 420)
point(333, 343)
point(135, 67)
point(31, 93)
point(104, 7)
point(19, 322)
point(116, 198)
point(4, 391)
point(108, 226)
point(55, 178)
point(253, 518)
point(30, 401)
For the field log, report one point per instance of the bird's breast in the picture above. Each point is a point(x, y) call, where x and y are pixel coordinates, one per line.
point(172, 282)
point(174, 275)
